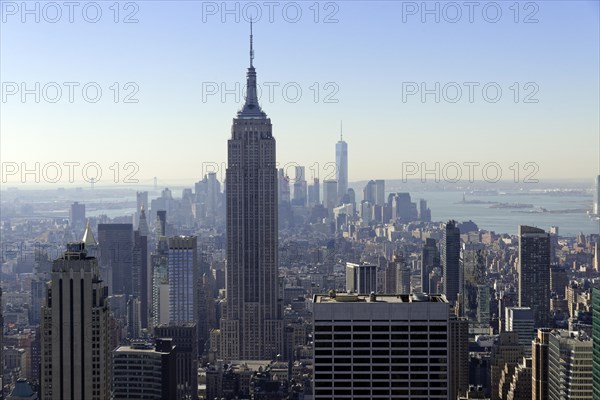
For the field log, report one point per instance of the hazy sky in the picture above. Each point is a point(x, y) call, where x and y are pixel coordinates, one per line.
point(365, 63)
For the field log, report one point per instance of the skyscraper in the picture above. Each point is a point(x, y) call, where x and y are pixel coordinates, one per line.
point(387, 347)
point(430, 259)
point(77, 215)
point(341, 163)
point(596, 340)
point(144, 371)
point(569, 365)
point(450, 258)
point(361, 278)
point(520, 320)
point(75, 337)
point(597, 196)
point(534, 273)
point(252, 324)
point(183, 279)
point(330, 195)
point(116, 256)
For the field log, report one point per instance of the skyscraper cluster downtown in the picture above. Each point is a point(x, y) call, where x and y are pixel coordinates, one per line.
point(373, 301)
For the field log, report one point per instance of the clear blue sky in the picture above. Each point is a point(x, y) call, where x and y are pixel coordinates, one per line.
point(373, 50)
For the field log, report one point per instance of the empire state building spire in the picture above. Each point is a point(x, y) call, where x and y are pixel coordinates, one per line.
point(251, 107)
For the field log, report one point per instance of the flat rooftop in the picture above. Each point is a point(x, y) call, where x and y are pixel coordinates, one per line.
point(380, 298)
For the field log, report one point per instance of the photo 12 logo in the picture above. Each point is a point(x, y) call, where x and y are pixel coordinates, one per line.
point(453, 12)
point(469, 171)
point(69, 92)
point(469, 92)
point(69, 171)
point(53, 12)
point(289, 92)
point(270, 11)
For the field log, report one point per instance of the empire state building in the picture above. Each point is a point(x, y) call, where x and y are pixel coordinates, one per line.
point(252, 326)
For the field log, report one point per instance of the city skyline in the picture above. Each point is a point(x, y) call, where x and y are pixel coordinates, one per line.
point(169, 107)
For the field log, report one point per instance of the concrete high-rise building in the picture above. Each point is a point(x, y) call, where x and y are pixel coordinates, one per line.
point(397, 276)
point(144, 371)
point(116, 257)
point(361, 278)
point(569, 365)
point(300, 188)
point(75, 330)
point(506, 351)
point(520, 320)
point(539, 365)
point(472, 274)
point(383, 347)
point(252, 323)
point(341, 164)
point(596, 341)
point(139, 273)
point(183, 279)
point(141, 203)
point(77, 215)
point(596, 209)
point(185, 339)
point(534, 273)
point(483, 305)
point(160, 283)
point(424, 211)
point(430, 259)
point(450, 260)
point(330, 195)
point(314, 193)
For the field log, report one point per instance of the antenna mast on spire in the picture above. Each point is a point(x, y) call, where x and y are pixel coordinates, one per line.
point(251, 49)
point(341, 132)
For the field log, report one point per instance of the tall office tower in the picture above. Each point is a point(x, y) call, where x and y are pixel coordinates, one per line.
point(116, 257)
point(160, 282)
point(569, 365)
point(185, 339)
point(330, 195)
point(506, 350)
point(252, 324)
point(397, 276)
point(283, 187)
point(520, 320)
point(534, 273)
point(361, 278)
point(314, 193)
point(141, 202)
point(450, 260)
point(472, 274)
point(213, 191)
point(75, 336)
point(370, 192)
point(424, 211)
point(596, 340)
point(483, 305)
point(161, 222)
point(403, 209)
point(300, 194)
point(458, 356)
point(134, 318)
point(144, 371)
point(539, 373)
point(183, 278)
point(430, 259)
point(77, 215)
point(139, 273)
point(382, 347)
point(341, 164)
point(380, 192)
point(597, 196)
